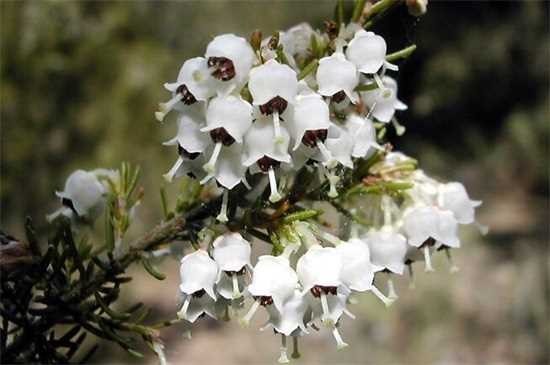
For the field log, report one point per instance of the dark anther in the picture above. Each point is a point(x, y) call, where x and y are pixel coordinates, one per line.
point(238, 273)
point(276, 104)
point(265, 163)
point(429, 242)
point(189, 155)
point(339, 96)
point(317, 290)
point(331, 28)
point(69, 204)
point(264, 301)
point(408, 262)
point(310, 138)
point(198, 293)
point(186, 97)
point(224, 69)
point(221, 135)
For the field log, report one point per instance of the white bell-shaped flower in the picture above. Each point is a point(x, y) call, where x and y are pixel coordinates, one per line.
point(340, 145)
point(290, 319)
point(383, 102)
point(273, 86)
point(198, 274)
point(271, 80)
point(230, 58)
point(231, 113)
point(319, 272)
point(421, 223)
point(319, 266)
point(367, 51)
point(191, 143)
point(189, 135)
point(232, 254)
point(310, 122)
point(273, 282)
point(228, 169)
point(388, 249)
point(364, 135)
point(453, 196)
point(83, 194)
point(259, 142)
point(335, 74)
point(357, 272)
point(297, 39)
point(193, 84)
point(262, 148)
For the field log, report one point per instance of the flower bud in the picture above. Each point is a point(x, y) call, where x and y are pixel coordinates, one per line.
point(417, 7)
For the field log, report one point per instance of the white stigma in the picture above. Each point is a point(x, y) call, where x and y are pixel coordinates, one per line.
point(169, 176)
point(210, 166)
point(428, 260)
point(222, 217)
point(277, 129)
point(275, 196)
point(340, 344)
point(387, 301)
point(295, 349)
point(283, 358)
point(236, 291)
point(392, 294)
point(390, 66)
point(381, 85)
point(333, 180)
point(182, 314)
point(245, 321)
point(399, 129)
point(330, 162)
point(326, 314)
point(165, 108)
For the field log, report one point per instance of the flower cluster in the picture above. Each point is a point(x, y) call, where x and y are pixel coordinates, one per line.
point(304, 99)
point(315, 292)
point(243, 111)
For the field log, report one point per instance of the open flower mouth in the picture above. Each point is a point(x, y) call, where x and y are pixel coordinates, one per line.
point(223, 68)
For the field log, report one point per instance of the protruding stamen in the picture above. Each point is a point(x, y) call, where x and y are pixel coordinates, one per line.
point(275, 196)
point(246, 183)
point(412, 283)
point(330, 162)
point(182, 314)
point(349, 314)
point(387, 301)
point(327, 321)
point(210, 166)
point(453, 267)
point(165, 108)
point(222, 217)
point(295, 350)
point(399, 128)
point(283, 359)
point(169, 176)
point(340, 344)
point(390, 66)
point(333, 180)
point(380, 84)
point(277, 128)
point(245, 321)
point(236, 291)
point(392, 294)
point(428, 260)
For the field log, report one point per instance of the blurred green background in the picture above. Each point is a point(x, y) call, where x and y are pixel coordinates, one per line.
point(80, 82)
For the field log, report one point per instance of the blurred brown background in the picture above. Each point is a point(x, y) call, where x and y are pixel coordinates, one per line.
point(80, 82)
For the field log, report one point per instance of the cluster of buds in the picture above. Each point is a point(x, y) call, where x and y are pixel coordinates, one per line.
point(255, 108)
